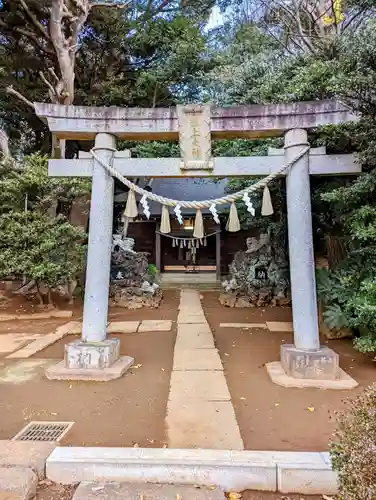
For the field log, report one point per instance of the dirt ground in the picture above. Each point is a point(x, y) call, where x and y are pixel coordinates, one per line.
point(271, 417)
point(48, 491)
point(125, 412)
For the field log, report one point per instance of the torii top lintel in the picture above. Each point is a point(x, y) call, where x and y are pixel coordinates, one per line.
point(84, 122)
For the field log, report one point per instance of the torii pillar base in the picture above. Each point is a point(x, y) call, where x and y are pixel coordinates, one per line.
point(91, 361)
point(321, 364)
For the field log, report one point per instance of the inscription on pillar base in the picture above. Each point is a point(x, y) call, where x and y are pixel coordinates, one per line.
point(320, 365)
point(89, 355)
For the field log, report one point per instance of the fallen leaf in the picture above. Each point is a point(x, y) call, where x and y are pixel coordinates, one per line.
point(276, 404)
point(163, 369)
point(70, 387)
point(325, 497)
point(234, 496)
point(179, 497)
point(242, 398)
point(136, 366)
point(212, 487)
point(227, 354)
point(311, 408)
point(135, 445)
point(54, 414)
point(151, 441)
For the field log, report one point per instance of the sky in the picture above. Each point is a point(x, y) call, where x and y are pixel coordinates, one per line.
point(215, 19)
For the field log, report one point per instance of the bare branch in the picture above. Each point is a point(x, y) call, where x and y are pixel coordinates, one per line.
point(10, 90)
point(4, 143)
point(33, 19)
point(52, 71)
point(350, 21)
point(112, 6)
point(50, 87)
point(35, 40)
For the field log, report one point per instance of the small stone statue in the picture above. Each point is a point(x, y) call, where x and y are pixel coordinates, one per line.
point(258, 276)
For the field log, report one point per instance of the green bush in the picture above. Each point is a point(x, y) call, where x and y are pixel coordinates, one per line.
point(349, 300)
point(353, 451)
point(152, 270)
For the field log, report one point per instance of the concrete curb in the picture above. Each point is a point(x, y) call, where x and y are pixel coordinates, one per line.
point(286, 472)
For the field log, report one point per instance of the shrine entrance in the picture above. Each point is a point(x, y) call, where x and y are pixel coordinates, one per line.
point(96, 356)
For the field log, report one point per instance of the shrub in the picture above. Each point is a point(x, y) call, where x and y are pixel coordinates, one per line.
point(353, 452)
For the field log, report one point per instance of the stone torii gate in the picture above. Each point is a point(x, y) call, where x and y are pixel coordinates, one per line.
point(97, 358)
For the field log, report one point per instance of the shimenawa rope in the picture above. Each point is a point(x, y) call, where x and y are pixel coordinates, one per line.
point(225, 200)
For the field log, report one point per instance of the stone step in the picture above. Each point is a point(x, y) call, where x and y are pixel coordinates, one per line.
point(192, 286)
point(129, 491)
point(20, 483)
point(301, 472)
point(188, 278)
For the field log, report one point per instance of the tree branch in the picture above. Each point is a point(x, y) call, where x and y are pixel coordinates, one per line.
point(51, 88)
point(4, 143)
point(349, 22)
point(35, 40)
point(10, 90)
point(34, 20)
point(112, 6)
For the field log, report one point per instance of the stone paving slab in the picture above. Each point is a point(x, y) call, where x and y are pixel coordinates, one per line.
point(44, 341)
point(279, 377)
point(243, 325)
point(197, 359)
point(36, 346)
point(309, 479)
point(199, 329)
point(28, 454)
point(123, 327)
point(150, 325)
point(198, 385)
point(69, 465)
point(279, 326)
point(191, 318)
point(201, 424)
point(116, 491)
point(33, 316)
point(19, 481)
point(192, 340)
point(11, 342)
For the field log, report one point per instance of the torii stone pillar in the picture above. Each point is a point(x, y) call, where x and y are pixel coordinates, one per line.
point(95, 357)
point(305, 359)
point(94, 326)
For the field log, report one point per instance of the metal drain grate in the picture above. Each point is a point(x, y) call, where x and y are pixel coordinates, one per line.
point(43, 431)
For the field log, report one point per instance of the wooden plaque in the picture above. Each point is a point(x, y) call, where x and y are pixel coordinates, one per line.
point(195, 137)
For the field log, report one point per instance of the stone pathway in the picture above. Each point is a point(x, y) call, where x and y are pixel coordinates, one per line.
point(199, 411)
point(23, 345)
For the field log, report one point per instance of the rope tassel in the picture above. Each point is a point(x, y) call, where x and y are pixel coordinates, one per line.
point(199, 225)
point(267, 206)
point(233, 224)
point(165, 221)
point(131, 206)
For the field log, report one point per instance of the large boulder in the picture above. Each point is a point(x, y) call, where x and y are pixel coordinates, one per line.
point(258, 276)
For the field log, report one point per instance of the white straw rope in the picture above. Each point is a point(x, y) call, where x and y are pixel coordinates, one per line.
point(225, 200)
